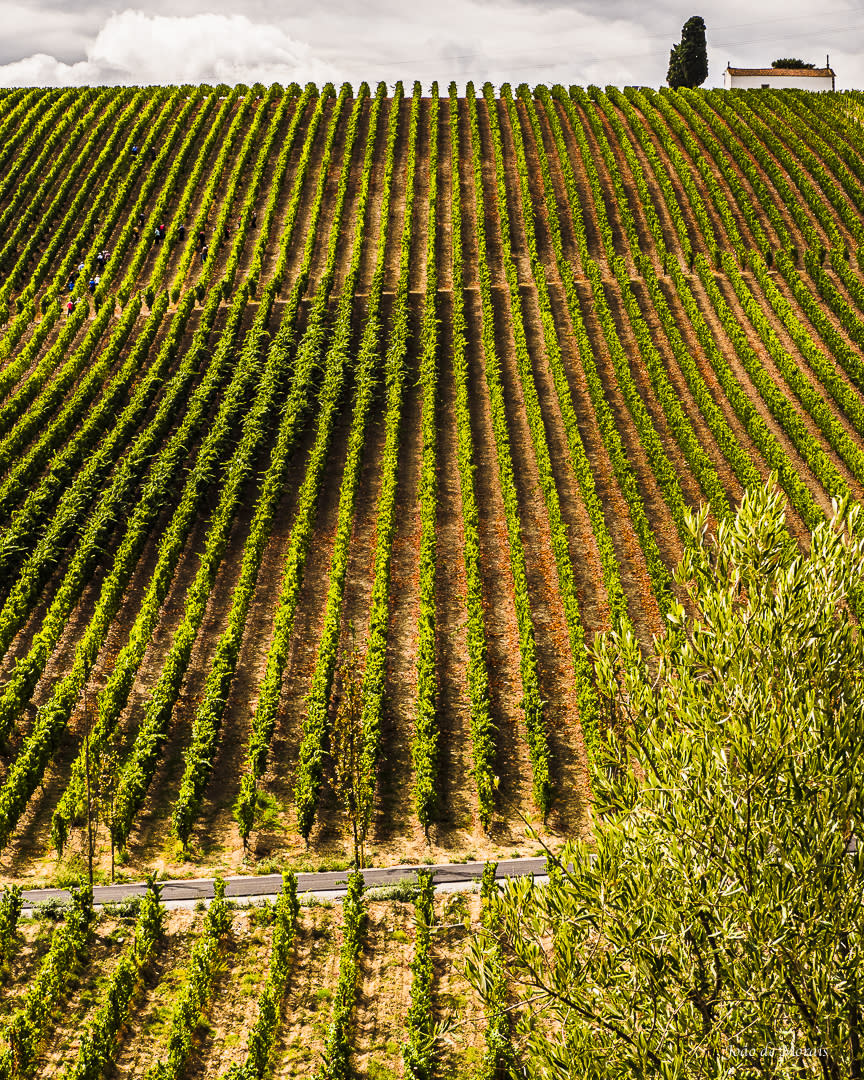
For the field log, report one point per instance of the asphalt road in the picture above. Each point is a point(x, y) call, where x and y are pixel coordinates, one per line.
point(333, 882)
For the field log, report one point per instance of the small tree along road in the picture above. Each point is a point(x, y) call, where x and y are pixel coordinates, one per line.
point(346, 747)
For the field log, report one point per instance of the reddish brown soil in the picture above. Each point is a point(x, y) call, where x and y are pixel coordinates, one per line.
point(144, 1038)
point(557, 685)
point(302, 655)
point(772, 369)
point(307, 1004)
point(233, 1006)
point(793, 227)
point(669, 233)
point(817, 339)
point(613, 210)
point(584, 554)
point(703, 433)
point(457, 801)
point(394, 817)
point(593, 235)
point(661, 520)
point(383, 991)
point(741, 375)
point(395, 834)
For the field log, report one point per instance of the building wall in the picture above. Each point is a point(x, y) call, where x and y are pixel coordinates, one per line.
point(784, 82)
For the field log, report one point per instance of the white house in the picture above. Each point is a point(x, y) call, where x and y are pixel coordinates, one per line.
point(779, 78)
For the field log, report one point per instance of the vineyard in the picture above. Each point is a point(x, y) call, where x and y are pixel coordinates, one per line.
point(280, 989)
point(288, 368)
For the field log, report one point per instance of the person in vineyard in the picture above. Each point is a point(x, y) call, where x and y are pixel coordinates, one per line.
point(181, 232)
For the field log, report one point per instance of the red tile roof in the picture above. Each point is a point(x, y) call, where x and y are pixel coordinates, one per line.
point(820, 73)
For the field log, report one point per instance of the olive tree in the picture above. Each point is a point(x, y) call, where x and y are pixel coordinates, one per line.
point(712, 926)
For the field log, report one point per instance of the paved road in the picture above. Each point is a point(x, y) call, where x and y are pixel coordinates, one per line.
point(333, 882)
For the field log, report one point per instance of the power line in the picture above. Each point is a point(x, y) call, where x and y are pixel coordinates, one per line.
point(545, 62)
point(569, 48)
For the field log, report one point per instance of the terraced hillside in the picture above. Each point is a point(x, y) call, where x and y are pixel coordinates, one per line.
point(283, 369)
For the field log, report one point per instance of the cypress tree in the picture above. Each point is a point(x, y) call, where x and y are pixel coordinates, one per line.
point(688, 59)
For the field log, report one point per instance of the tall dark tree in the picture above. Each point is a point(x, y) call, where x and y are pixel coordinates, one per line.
point(688, 59)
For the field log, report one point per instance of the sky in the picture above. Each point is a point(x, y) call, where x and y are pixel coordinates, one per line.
point(80, 42)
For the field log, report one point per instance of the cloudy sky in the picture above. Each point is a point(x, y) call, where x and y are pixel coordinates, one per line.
point(75, 42)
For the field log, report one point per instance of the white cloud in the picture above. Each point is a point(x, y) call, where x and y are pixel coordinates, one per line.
point(136, 48)
point(571, 41)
